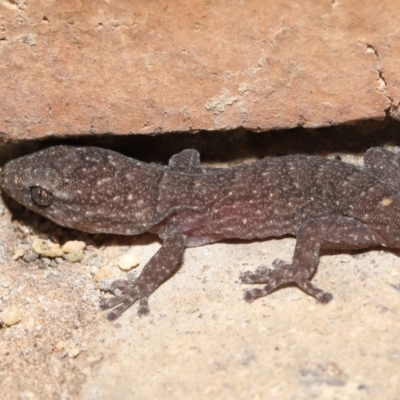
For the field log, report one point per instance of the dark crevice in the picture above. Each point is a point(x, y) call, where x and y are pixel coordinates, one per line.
point(228, 146)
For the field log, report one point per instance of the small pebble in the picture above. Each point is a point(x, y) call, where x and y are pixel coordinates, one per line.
point(72, 349)
point(30, 256)
point(59, 345)
point(47, 248)
point(18, 254)
point(73, 246)
point(74, 257)
point(103, 273)
point(94, 269)
point(128, 261)
point(53, 276)
point(46, 261)
point(11, 316)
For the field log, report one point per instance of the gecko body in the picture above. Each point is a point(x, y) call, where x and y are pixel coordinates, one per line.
point(324, 203)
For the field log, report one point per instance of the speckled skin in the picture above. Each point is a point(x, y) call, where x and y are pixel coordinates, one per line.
point(324, 203)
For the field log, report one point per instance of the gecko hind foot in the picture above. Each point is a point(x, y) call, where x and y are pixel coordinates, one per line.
point(263, 273)
point(126, 294)
point(321, 296)
point(274, 278)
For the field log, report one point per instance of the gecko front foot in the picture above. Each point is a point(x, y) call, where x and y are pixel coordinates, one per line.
point(126, 294)
point(282, 274)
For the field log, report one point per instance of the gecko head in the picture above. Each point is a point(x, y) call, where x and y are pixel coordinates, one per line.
point(84, 188)
point(53, 182)
point(34, 180)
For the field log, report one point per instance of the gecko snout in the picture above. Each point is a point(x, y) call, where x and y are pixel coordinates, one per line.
point(13, 179)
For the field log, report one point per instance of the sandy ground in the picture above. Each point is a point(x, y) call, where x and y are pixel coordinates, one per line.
point(202, 340)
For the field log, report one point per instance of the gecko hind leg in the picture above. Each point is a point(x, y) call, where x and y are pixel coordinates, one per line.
point(332, 232)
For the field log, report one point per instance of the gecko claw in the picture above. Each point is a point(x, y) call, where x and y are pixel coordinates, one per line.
point(143, 307)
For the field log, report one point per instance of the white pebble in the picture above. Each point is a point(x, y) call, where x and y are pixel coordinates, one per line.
point(73, 246)
point(11, 316)
point(47, 248)
point(128, 261)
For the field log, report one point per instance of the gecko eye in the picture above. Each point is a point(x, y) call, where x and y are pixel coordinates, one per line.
point(41, 196)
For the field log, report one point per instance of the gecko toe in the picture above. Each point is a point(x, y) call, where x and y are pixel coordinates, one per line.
point(245, 277)
point(279, 263)
point(253, 294)
point(118, 311)
point(320, 295)
point(112, 316)
point(144, 307)
point(325, 298)
point(119, 286)
point(104, 304)
point(107, 303)
point(255, 277)
point(121, 304)
point(264, 274)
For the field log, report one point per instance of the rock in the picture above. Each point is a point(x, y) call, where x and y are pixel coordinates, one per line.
point(102, 274)
point(128, 261)
point(72, 349)
point(74, 257)
point(47, 248)
point(18, 253)
point(4, 284)
point(30, 256)
point(261, 65)
point(11, 316)
point(73, 246)
point(73, 250)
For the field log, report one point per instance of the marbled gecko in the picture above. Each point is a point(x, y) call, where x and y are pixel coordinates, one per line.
point(324, 203)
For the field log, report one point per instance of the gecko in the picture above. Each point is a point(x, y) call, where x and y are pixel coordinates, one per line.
point(324, 203)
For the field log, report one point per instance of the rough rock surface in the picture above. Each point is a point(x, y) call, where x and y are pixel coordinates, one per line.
point(150, 66)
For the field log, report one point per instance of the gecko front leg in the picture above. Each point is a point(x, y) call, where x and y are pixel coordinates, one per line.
point(155, 272)
point(333, 232)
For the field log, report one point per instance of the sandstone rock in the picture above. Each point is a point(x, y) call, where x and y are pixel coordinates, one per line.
point(150, 67)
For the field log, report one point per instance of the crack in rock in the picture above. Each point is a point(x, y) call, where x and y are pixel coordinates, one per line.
point(382, 83)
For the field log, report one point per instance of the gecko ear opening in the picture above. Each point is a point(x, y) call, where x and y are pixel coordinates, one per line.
point(41, 197)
